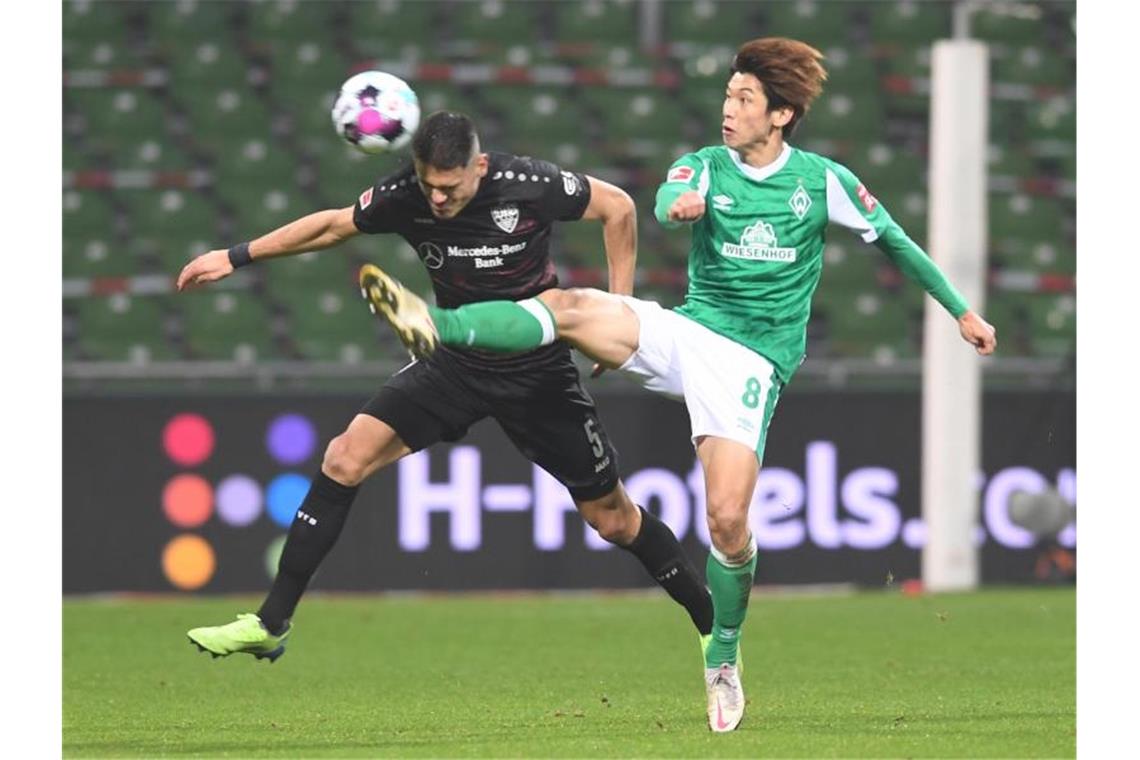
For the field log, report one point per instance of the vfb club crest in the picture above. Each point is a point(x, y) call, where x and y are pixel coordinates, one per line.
point(506, 217)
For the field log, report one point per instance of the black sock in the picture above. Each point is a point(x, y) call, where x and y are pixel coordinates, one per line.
point(315, 529)
point(662, 555)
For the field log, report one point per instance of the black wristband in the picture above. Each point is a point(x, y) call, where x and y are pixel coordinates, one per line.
point(239, 255)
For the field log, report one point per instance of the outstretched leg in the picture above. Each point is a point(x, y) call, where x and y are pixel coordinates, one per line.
point(599, 324)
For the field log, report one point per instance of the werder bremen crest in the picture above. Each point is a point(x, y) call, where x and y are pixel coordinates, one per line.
point(506, 217)
point(800, 202)
point(758, 242)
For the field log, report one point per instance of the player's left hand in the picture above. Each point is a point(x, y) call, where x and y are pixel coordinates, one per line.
point(205, 268)
point(978, 332)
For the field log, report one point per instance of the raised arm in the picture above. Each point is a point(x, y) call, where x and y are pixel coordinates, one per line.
point(850, 204)
point(618, 215)
point(309, 233)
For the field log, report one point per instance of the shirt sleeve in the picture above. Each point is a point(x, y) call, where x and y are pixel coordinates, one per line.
point(565, 194)
point(689, 172)
point(851, 205)
point(374, 212)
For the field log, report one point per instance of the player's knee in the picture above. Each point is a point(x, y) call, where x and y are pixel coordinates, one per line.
point(611, 518)
point(570, 307)
point(728, 522)
point(341, 464)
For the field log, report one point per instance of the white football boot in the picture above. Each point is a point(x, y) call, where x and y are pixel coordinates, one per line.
point(725, 698)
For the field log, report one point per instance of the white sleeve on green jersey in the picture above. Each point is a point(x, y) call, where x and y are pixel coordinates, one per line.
point(850, 204)
point(689, 172)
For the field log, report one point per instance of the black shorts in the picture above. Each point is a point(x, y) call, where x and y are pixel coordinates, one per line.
point(544, 410)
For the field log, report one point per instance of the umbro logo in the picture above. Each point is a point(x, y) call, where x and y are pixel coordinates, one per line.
point(722, 201)
point(305, 517)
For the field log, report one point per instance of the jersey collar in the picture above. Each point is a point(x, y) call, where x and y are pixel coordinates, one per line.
point(764, 173)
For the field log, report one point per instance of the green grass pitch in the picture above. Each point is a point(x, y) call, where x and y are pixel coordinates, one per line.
point(872, 674)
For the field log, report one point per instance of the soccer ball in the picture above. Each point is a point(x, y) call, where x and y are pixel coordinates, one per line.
point(376, 112)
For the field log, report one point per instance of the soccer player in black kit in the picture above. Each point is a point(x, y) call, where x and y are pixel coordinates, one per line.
point(481, 224)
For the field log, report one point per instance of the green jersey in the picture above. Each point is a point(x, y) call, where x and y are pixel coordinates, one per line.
point(757, 253)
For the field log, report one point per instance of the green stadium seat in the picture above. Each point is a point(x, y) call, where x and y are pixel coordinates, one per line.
point(334, 325)
point(343, 172)
point(709, 21)
point(596, 21)
point(993, 25)
point(848, 264)
point(1035, 65)
point(909, 23)
point(889, 169)
point(1054, 119)
point(222, 117)
point(1008, 160)
point(551, 115)
point(1023, 216)
point(200, 19)
point(384, 29)
point(908, 207)
point(868, 324)
point(819, 23)
point(117, 116)
point(636, 113)
point(850, 71)
point(248, 165)
point(108, 52)
point(169, 227)
point(89, 19)
point(226, 326)
point(840, 116)
point(204, 61)
point(287, 278)
point(580, 244)
point(443, 96)
point(1008, 314)
point(304, 70)
point(122, 328)
point(1053, 324)
point(95, 256)
point(88, 212)
point(291, 20)
point(703, 98)
point(263, 208)
point(498, 23)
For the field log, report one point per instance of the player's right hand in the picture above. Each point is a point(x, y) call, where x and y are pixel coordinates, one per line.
point(689, 207)
point(206, 268)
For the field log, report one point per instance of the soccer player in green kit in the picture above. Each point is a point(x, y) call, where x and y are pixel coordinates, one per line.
point(758, 209)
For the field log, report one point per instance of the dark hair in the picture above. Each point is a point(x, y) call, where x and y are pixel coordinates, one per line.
point(789, 71)
point(445, 140)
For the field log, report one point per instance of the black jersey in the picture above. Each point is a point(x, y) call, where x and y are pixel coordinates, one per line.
point(496, 248)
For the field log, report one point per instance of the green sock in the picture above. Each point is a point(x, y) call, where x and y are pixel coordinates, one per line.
point(730, 587)
point(504, 326)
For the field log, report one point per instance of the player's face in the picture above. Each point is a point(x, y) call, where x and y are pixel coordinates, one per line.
point(449, 190)
point(747, 122)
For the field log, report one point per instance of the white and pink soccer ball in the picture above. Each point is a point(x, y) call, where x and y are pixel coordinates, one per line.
point(376, 112)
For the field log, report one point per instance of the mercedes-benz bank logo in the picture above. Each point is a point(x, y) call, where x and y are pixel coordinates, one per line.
point(431, 254)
